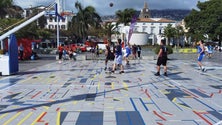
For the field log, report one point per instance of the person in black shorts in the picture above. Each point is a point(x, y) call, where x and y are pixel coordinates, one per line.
point(162, 58)
point(108, 55)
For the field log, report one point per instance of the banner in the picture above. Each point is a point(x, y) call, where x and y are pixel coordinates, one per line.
point(132, 25)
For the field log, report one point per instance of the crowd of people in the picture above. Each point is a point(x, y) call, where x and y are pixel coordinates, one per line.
point(119, 53)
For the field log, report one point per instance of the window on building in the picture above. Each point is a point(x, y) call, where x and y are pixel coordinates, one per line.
point(160, 30)
point(51, 26)
point(50, 19)
point(144, 29)
point(63, 27)
point(152, 30)
point(56, 26)
point(136, 29)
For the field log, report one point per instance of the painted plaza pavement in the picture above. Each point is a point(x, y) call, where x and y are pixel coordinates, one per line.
point(81, 93)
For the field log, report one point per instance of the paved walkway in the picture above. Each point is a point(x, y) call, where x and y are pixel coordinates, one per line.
point(81, 93)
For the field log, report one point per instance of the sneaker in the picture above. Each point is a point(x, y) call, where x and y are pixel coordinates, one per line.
point(165, 74)
point(105, 68)
point(204, 70)
point(121, 72)
point(157, 74)
point(112, 71)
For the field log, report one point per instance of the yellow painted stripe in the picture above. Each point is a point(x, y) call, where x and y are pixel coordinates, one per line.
point(112, 85)
point(46, 107)
point(183, 106)
point(3, 115)
point(58, 118)
point(98, 86)
point(33, 123)
point(174, 99)
point(74, 102)
point(25, 118)
point(125, 86)
point(12, 118)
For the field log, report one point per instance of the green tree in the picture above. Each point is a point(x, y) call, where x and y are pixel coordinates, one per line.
point(85, 18)
point(179, 32)
point(110, 29)
point(125, 17)
point(207, 19)
point(169, 32)
point(7, 8)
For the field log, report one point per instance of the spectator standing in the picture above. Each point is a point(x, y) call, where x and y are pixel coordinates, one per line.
point(60, 49)
point(21, 51)
point(134, 49)
point(139, 51)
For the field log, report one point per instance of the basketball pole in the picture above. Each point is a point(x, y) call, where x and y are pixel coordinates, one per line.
point(57, 9)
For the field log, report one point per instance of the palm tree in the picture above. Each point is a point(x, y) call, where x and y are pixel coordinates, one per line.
point(169, 32)
point(110, 29)
point(178, 33)
point(125, 17)
point(85, 19)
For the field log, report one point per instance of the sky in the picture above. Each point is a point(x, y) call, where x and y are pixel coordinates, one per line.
point(102, 6)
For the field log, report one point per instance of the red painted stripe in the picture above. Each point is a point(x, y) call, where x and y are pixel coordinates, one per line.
point(36, 94)
point(220, 91)
point(40, 119)
point(211, 95)
point(159, 123)
point(148, 95)
point(189, 93)
point(161, 117)
point(54, 93)
point(208, 122)
point(57, 109)
point(167, 113)
point(34, 108)
point(201, 90)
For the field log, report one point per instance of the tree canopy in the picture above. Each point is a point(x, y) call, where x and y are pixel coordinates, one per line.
point(125, 16)
point(207, 19)
point(85, 18)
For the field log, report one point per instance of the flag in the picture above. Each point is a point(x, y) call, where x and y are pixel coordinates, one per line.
point(132, 25)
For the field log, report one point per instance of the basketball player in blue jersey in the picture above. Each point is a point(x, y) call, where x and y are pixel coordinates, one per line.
point(201, 54)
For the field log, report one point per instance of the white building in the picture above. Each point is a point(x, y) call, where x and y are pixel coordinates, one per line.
point(63, 23)
point(51, 21)
point(152, 28)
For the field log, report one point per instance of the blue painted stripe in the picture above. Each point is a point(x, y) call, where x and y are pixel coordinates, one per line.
point(134, 106)
point(156, 105)
point(104, 93)
point(205, 104)
point(144, 104)
point(154, 93)
point(191, 121)
point(128, 116)
point(199, 93)
point(177, 105)
point(216, 114)
point(141, 118)
point(210, 118)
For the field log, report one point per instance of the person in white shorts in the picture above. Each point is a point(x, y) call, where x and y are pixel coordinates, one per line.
point(118, 57)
